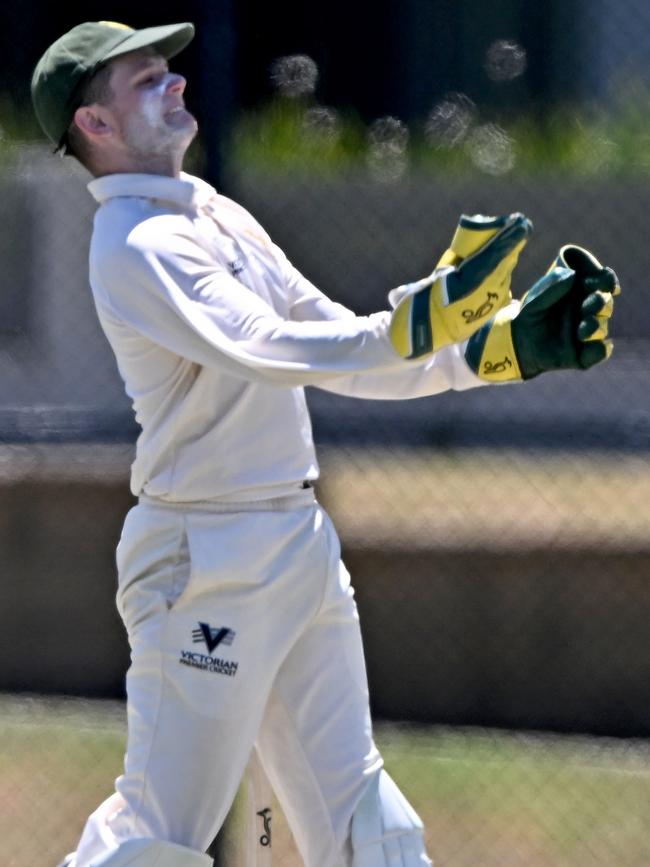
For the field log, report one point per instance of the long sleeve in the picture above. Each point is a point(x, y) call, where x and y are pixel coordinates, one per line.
point(401, 380)
point(174, 294)
point(444, 371)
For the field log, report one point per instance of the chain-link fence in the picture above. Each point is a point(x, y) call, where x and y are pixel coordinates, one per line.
point(498, 538)
point(487, 796)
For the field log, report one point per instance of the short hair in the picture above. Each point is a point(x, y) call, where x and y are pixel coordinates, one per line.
point(97, 89)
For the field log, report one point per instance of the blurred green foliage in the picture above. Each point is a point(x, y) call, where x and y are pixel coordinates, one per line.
point(289, 135)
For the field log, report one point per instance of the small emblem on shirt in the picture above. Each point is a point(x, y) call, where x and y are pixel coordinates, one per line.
point(236, 266)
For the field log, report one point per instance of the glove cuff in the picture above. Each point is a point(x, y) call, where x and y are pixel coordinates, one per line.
point(490, 352)
point(471, 234)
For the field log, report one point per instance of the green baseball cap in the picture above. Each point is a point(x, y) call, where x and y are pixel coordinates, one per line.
point(71, 60)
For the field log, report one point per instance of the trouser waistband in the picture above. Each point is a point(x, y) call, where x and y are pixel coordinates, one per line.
point(287, 503)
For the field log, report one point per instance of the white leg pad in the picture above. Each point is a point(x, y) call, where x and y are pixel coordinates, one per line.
point(386, 831)
point(152, 853)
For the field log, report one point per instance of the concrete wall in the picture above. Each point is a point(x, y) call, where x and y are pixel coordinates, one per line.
point(523, 639)
point(518, 637)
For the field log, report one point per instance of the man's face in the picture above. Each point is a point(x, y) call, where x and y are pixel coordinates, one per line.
point(147, 112)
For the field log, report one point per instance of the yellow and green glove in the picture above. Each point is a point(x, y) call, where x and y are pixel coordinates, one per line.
point(470, 283)
point(560, 323)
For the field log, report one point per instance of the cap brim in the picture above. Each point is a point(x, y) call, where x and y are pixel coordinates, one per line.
point(168, 40)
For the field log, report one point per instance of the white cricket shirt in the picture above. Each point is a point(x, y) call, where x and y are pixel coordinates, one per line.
point(215, 335)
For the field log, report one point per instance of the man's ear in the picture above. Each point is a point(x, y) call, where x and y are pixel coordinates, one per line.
point(93, 121)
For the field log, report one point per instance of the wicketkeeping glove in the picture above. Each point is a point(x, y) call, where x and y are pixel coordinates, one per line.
point(471, 282)
point(561, 322)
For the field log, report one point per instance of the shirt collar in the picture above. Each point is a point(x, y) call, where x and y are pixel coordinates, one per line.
point(186, 191)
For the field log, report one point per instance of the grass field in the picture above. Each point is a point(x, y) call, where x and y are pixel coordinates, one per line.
point(488, 799)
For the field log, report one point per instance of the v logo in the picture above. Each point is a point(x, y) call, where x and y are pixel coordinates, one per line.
point(212, 637)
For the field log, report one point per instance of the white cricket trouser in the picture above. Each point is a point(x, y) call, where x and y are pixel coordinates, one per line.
point(243, 630)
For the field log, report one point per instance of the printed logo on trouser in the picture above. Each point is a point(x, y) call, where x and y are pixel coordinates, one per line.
point(212, 637)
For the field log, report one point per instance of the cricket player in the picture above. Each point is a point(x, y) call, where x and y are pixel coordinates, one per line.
point(240, 615)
